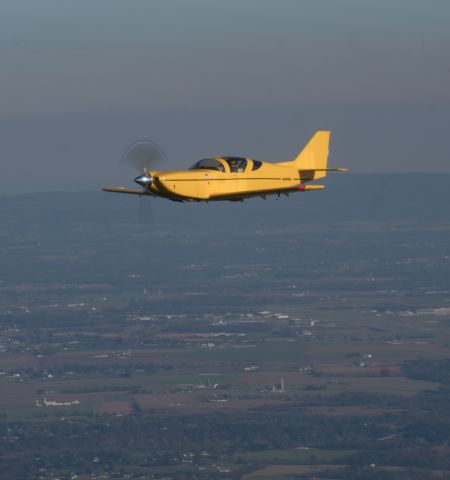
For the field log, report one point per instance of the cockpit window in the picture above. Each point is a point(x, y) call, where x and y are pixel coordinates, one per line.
point(208, 164)
point(237, 164)
point(256, 165)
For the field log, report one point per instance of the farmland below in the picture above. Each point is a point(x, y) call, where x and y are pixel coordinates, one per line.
point(224, 345)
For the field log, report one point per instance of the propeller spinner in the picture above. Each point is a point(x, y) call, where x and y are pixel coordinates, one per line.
point(144, 180)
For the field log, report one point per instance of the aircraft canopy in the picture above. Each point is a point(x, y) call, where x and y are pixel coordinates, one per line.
point(235, 164)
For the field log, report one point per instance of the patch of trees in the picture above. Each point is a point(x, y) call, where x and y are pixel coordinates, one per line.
point(426, 369)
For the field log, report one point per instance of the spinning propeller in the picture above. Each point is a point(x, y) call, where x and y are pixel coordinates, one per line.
point(144, 156)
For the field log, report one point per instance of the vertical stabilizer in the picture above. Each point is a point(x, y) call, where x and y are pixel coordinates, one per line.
point(312, 160)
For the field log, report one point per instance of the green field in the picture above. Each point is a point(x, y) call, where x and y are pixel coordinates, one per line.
point(282, 351)
point(300, 456)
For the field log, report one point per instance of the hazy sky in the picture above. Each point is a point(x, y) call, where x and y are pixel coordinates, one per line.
point(81, 79)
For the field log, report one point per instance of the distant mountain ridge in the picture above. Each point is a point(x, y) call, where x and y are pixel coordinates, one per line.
point(372, 197)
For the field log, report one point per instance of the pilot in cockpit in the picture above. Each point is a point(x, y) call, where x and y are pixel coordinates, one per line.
point(237, 165)
point(233, 166)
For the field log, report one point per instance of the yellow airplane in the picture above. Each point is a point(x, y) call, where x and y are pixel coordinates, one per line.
point(237, 178)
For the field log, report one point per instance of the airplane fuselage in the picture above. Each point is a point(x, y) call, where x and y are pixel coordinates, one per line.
point(257, 179)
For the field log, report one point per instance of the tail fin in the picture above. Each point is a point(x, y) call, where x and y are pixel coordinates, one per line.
point(312, 160)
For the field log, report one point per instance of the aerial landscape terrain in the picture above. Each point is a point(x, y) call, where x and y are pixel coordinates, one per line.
point(300, 337)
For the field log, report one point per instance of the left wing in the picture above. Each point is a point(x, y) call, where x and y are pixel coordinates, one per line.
point(133, 191)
